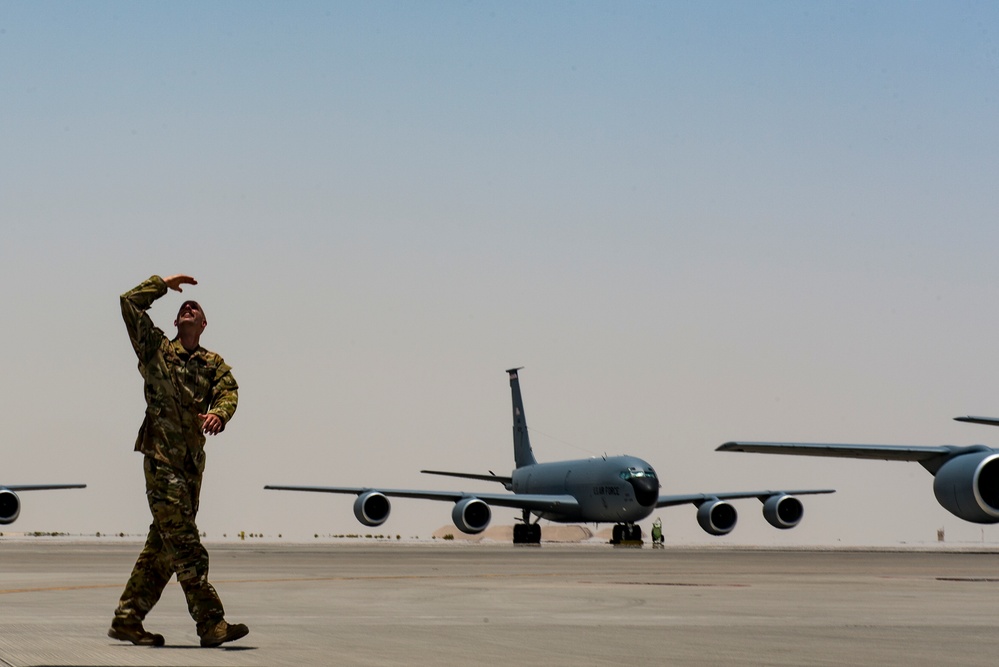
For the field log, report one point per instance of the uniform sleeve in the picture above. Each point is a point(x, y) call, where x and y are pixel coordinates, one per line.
point(144, 336)
point(225, 394)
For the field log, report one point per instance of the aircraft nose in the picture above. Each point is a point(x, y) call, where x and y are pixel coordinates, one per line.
point(646, 490)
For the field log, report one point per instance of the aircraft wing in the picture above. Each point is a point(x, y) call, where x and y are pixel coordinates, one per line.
point(696, 498)
point(879, 452)
point(42, 487)
point(538, 502)
point(988, 421)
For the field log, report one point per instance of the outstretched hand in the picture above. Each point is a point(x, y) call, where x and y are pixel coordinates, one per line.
point(211, 424)
point(174, 282)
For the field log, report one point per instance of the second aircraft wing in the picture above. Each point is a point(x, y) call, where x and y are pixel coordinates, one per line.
point(42, 487)
point(878, 452)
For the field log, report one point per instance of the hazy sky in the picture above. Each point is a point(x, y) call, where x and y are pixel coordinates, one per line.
point(690, 222)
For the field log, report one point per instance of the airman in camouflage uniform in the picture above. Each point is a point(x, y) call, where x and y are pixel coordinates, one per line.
point(190, 392)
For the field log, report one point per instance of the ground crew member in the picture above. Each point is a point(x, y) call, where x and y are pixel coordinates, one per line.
point(190, 392)
point(657, 534)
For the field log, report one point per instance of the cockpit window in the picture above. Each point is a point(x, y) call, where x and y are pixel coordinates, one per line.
point(632, 473)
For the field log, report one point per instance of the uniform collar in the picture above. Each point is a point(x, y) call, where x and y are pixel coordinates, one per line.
point(180, 350)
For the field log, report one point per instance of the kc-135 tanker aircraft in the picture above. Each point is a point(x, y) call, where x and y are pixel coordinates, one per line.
point(611, 489)
point(965, 479)
point(10, 504)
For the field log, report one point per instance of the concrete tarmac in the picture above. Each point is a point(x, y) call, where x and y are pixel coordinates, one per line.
point(445, 603)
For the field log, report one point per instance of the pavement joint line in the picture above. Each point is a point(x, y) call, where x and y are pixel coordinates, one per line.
point(279, 580)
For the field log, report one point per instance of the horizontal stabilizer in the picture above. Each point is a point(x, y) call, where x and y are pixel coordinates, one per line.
point(465, 475)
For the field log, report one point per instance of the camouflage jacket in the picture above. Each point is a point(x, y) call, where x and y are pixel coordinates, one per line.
point(179, 385)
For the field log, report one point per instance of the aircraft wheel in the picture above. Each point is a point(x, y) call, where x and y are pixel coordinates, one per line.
point(519, 533)
point(616, 534)
point(534, 534)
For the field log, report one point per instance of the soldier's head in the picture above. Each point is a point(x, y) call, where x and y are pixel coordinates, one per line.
point(190, 319)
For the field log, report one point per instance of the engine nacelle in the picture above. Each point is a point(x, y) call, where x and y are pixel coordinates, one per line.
point(967, 486)
point(372, 508)
point(10, 506)
point(471, 515)
point(783, 511)
point(717, 517)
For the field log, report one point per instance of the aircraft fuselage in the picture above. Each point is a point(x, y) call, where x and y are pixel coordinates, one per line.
point(600, 485)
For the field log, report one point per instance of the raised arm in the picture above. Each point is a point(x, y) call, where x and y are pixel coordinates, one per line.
point(142, 333)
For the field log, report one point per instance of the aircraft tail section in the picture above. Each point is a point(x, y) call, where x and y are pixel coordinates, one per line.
point(523, 455)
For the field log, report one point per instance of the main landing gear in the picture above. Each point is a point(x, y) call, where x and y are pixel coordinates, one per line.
point(627, 534)
point(527, 532)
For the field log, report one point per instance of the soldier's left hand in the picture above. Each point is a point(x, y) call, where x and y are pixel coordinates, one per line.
point(211, 424)
point(175, 282)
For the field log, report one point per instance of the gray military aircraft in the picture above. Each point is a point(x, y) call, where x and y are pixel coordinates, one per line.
point(610, 489)
point(965, 479)
point(10, 504)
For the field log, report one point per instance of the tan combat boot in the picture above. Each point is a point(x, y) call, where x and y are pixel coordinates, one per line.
point(135, 633)
point(222, 632)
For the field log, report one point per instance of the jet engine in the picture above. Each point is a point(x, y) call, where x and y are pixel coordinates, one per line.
point(783, 511)
point(967, 486)
point(10, 506)
point(717, 517)
point(372, 508)
point(471, 515)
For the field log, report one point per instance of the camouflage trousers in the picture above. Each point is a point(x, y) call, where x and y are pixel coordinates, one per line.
point(173, 546)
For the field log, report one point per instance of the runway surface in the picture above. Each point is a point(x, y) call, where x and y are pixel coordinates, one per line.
point(357, 603)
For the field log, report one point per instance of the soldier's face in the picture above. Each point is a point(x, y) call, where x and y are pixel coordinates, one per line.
point(191, 314)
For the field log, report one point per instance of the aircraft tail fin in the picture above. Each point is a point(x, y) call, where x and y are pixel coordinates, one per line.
point(523, 455)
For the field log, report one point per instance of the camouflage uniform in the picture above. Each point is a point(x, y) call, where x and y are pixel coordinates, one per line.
point(179, 385)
